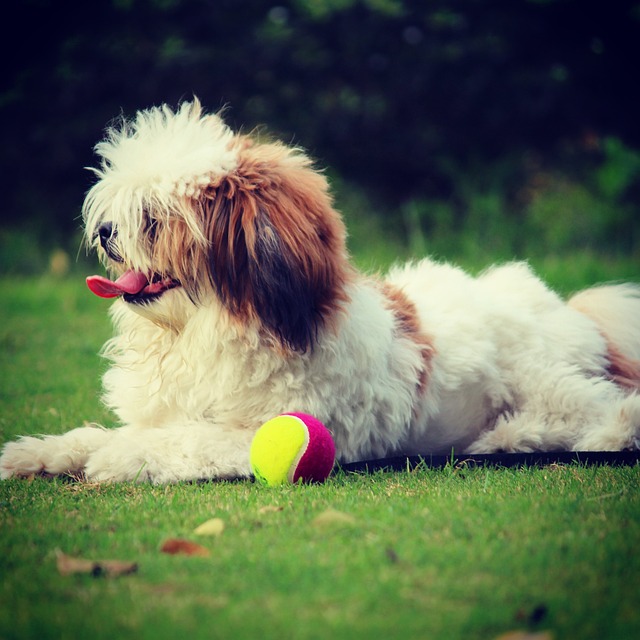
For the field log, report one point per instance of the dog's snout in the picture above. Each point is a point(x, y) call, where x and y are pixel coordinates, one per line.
point(105, 233)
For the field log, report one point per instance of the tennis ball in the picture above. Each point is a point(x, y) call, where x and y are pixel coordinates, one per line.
point(292, 447)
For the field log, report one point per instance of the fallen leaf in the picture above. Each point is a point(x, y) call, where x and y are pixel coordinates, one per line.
point(270, 508)
point(68, 565)
point(333, 518)
point(177, 546)
point(213, 527)
point(114, 568)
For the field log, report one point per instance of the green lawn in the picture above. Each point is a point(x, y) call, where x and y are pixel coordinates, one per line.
point(453, 553)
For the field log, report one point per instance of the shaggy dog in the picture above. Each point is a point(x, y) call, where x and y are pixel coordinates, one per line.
point(237, 302)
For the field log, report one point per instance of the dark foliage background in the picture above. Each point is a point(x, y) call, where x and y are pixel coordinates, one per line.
point(483, 118)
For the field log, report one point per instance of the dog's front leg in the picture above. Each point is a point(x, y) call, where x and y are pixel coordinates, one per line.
point(55, 455)
point(173, 453)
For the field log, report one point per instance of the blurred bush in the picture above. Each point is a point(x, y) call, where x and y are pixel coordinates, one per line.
point(498, 126)
point(519, 209)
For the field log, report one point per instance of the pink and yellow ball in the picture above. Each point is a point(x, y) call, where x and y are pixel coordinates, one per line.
point(291, 448)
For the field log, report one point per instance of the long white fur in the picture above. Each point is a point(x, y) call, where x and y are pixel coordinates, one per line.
point(514, 367)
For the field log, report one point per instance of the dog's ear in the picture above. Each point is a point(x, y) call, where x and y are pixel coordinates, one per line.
point(277, 247)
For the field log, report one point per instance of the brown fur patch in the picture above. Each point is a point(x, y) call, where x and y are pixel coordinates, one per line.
point(622, 370)
point(408, 325)
point(277, 247)
point(176, 251)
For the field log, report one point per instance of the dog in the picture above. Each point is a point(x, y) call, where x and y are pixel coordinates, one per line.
point(236, 301)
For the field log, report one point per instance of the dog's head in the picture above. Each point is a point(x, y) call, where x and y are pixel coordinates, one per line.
point(186, 211)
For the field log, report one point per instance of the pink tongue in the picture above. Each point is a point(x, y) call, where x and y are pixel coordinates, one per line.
point(129, 282)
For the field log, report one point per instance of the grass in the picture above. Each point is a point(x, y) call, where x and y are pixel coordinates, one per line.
point(429, 554)
point(453, 553)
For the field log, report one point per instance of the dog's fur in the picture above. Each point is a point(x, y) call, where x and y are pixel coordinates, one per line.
point(254, 310)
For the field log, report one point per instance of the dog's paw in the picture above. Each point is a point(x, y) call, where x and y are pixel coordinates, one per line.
point(510, 434)
point(620, 432)
point(29, 455)
point(117, 463)
point(52, 455)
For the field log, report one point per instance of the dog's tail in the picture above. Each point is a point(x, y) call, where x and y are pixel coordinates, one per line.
point(616, 311)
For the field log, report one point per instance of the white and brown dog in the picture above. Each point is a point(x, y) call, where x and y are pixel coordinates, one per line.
point(237, 302)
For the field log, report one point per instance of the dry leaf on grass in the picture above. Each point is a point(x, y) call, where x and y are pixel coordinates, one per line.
point(213, 527)
point(68, 565)
point(332, 518)
point(178, 546)
point(270, 508)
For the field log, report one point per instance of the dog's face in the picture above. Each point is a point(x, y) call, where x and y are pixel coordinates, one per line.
point(186, 212)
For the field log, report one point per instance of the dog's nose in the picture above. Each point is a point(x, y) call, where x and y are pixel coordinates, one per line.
point(105, 233)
